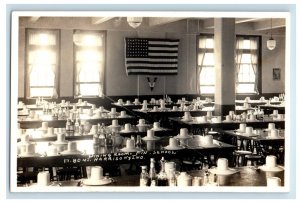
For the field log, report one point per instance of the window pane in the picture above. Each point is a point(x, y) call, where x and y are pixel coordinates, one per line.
point(208, 59)
point(246, 73)
point(89, 63)
point(89, 89)
point(246, 58)
point(207, 89)
point(245, 88)
point(41, 92)
point(41, 65)
point(210, 43)
point(207, 76)
point(246, 44)
point(42, 38)
point(89, 55)
point(206, 43)
point(89, 72)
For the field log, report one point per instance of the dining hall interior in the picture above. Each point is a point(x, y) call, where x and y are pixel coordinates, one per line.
point(150, 101)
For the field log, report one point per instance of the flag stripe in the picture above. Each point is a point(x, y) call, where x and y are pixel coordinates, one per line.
point(168, 49)
point(163, 54)
point(152, 60)
point(151, 56)
point(154, 66)
point(153, 71)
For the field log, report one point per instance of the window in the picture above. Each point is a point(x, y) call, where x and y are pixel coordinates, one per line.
point(42, 63)
point(205, 63)
point(89, 63)
point(247, 65)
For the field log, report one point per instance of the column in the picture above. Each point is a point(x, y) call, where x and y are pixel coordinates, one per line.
point(224, 37)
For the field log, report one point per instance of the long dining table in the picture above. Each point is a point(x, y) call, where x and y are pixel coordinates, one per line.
point(196, 125)
point(247, 176)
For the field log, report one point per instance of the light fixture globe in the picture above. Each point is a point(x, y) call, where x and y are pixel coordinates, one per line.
point(271, 43)
point(134, 21)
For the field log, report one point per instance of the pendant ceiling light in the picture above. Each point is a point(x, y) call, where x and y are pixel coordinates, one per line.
point(134, 21)
point(271, 43)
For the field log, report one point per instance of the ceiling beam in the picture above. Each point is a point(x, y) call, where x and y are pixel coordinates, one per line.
point(244, 20)
point(266, 24)
point(34, 19)
point(161, 21)
point(100, 20)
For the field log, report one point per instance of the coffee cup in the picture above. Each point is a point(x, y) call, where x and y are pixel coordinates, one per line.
point(251, 117)
point(242, 128)
point(96, 173)
point(173, 142)
point(175, 108)
point(273, 182)
point(113, 110)
point(156, 125)
point(274, 133)
point(43, 178)
point(155, 108)
point(142, 121)
point(127, 127)
point(120, 101)
point(249, 130)
point(183, 132)
point(228, 118)
point(271, 126)
point(123, 113)
point(130, 144)
point(209, 114)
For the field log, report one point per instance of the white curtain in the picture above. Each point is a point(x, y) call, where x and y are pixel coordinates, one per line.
point(202, 46)
point(42, 62)
point(254, 59)
point(89, 63)
point(238, 55)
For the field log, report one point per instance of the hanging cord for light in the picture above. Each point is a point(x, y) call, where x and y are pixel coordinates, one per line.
point(271, 43)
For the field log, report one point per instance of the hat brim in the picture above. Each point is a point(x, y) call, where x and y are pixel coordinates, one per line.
point(249, 135)
point(30, 155)
point(126, 116)
point(130, 150)
point(114, 126)
point(271, 169)
point(92, 182)
point(60, 142)
point(150, 138)
point(183, 137)
point(127, 131)
point(228, 171)
point(67, 152)
point(157, 129)
point(173, 148)
point(209, 145)
point(187, 120)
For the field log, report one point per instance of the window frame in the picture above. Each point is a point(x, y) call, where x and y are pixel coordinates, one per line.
point(198, 51)
point(57, 67)
point(259, 64)
point(104, 50)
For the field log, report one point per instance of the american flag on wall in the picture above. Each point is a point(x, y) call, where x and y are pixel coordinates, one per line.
point(145, 56)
